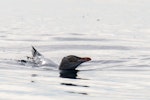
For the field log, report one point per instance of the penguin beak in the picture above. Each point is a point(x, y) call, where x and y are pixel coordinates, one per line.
point(85, 59)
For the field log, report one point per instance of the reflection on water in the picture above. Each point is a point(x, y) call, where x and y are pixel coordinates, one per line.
point(78, 93)
point(75, 85)
point(70, 84)
point(72, 74)
point(32, 76)
point(68, 74)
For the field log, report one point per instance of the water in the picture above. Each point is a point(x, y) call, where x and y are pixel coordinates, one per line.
point(115, 34)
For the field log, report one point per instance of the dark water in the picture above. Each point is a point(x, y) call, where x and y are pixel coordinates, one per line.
point(117, 43)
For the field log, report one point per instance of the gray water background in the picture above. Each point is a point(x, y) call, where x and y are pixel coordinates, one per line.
point(114, 33)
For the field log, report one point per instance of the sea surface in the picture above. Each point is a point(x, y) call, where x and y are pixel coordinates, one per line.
point(115, 34)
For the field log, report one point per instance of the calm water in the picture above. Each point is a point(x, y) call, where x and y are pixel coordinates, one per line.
point(114, 33)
